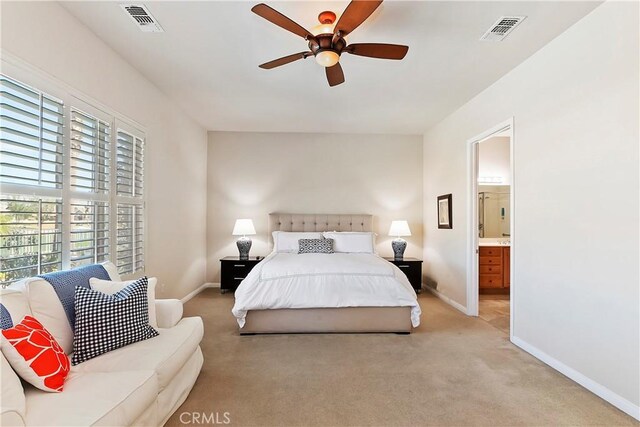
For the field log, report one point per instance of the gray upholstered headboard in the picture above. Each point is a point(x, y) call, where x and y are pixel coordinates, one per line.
point(319, 222)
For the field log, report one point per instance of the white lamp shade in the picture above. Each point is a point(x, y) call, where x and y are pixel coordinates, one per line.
point(399, 228)
point(244, 227)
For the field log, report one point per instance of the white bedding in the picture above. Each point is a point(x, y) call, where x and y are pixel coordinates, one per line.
point(285, 280)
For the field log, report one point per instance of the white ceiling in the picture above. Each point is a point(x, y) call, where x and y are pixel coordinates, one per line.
point(207, 61)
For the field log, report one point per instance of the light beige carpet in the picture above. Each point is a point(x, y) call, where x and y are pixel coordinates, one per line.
point(452, 371)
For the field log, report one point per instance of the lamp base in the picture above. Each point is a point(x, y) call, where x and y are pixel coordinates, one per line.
point(244, 245)
point(398, 245)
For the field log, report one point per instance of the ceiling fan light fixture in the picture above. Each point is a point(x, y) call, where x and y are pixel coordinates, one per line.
point(327, 58)
point(322, 29)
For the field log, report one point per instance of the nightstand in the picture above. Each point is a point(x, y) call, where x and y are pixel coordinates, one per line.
point(233, 270)
point(412, 267)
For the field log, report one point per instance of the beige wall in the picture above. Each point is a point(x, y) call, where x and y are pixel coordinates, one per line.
point(575, 106)
point(63, 49)
point(253, 174)
point(494, 159)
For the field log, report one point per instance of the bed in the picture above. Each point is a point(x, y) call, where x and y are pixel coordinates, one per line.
point(325, 293)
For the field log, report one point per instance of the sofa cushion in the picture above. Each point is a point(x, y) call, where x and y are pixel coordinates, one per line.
point(65, 282)
point(35, 355)
point(12, 404)
point(110, 287)
point(165, 354)
point(46, 306)
point(112, 270)
point(14, 301)
point(94, 398)
point(108, 322)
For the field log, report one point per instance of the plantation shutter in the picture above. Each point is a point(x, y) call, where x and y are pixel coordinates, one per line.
point(130, 235)
point(31, 136)
point(139, 168)
point(90, 153)
point(89, 232)
point(130, 208)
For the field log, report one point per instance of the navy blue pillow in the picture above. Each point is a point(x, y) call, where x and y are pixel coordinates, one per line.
point(107, 322)
point(6, 322)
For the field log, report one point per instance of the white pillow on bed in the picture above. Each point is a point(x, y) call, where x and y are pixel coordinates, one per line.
point(352, 241)
point(287, 241)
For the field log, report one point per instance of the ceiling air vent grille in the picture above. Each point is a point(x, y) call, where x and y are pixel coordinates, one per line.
point(142, 17)
point(502, 27)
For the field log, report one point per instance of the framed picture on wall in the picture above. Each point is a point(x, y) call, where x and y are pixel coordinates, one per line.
point(445, 211)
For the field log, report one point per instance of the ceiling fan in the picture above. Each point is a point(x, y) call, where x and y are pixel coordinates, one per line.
point(327, 42)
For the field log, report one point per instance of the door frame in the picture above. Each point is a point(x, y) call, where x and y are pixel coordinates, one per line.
point(473, 291)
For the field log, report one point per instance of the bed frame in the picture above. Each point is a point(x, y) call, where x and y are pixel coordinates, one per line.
point(325, 320)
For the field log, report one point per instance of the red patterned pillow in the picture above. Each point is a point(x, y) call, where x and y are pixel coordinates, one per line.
point(35, 355)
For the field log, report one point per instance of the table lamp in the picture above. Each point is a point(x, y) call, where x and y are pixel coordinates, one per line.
point(244, 227)
point(398, 229)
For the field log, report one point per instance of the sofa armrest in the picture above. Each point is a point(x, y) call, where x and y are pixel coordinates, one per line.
point(168, 312)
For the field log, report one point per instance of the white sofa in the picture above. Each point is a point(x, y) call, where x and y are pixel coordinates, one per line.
point(141, 384)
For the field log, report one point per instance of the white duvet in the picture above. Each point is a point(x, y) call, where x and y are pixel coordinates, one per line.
point(285, 280)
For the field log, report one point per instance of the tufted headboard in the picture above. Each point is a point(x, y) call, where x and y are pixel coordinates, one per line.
point(319, 222)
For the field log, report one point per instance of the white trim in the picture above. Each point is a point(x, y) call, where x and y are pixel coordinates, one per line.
point(448, 300)
point(198, 290)
point(586, 382)
point(473, 293)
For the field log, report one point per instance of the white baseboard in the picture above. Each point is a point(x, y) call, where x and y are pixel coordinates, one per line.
point(198, 290)
point(448, 300)
point(594, 387)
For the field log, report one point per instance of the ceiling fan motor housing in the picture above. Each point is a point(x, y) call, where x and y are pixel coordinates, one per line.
point(323, 42)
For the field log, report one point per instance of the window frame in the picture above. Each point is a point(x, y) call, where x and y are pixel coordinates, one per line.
point(35, 79)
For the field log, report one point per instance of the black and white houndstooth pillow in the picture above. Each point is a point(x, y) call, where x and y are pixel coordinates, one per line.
point(107, 322)
point(315, 246)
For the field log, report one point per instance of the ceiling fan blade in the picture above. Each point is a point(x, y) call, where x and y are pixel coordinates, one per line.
point(335, 76)
point(285, 60)
point(378, 50)
point(280, 20)
point(355, 14)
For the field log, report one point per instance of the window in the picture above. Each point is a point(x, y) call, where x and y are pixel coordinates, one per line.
point(90, 142)
point(31, 129)
point(89, 232)
point(31, 241)
point(72, 189)
point(129, 196)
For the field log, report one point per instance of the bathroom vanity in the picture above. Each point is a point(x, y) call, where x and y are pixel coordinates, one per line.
point(494, 268)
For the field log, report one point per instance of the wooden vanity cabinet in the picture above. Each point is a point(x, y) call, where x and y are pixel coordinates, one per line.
point(494, 268)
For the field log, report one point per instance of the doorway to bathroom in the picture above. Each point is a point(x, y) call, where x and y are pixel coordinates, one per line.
point(491, 224)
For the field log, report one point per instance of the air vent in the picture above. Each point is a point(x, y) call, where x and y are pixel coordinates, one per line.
point(142, 17)
point(502, 27)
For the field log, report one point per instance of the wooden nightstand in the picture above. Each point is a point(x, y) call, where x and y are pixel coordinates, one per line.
point(412, 267)
point(233, 270)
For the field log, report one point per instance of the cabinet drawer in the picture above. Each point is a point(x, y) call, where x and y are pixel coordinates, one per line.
point(229, 274)
point(413, 271)
point(238, 268)
point(490, 251)
point(490, 269)
point(491, 280)
point(491, 260)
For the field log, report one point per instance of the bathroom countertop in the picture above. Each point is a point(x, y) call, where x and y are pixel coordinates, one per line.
point(494, 242)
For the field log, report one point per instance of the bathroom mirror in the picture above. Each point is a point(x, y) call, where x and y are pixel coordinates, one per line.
point(493, 211)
